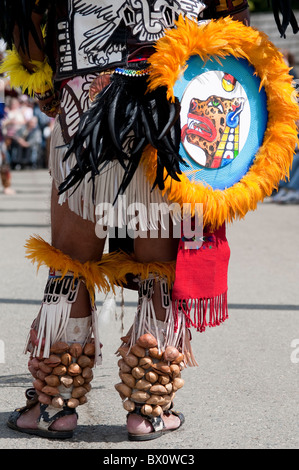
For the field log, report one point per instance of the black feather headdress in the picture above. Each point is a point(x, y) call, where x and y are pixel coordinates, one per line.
point(122, 120)
point(284, 8)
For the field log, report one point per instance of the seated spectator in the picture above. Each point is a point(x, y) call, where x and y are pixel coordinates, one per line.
point(14, 118)
point(45, 124)
point(13, 121)
point(26, 145)
point(26, 107)
point(289, 191)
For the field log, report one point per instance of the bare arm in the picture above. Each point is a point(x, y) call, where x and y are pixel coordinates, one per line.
point(243, 16)
point(35, 53)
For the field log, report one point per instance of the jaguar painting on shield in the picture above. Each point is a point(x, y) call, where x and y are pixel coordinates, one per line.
point(213, 125)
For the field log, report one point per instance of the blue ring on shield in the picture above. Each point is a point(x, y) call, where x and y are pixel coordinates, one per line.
point(223, 119)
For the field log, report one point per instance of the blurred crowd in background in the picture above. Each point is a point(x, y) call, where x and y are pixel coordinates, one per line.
point(26, 132)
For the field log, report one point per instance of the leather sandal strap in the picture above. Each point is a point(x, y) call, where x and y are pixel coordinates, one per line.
point(49, 414)
point(156, 421)
point(31, 397)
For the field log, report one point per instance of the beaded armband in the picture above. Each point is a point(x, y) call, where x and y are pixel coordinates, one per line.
point(43, 96)
point(132, 72)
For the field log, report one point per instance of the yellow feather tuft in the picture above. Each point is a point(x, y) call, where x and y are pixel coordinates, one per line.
point(39, 81)
point(129, 264)
point(102, 274)
point(111, 271)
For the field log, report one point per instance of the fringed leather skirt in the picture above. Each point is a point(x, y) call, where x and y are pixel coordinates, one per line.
point(88, 199)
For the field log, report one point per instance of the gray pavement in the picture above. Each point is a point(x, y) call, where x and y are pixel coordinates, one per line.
point(243, 395)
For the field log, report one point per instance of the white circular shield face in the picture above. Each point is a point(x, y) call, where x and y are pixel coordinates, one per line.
point(224, 117)
point(215, 119)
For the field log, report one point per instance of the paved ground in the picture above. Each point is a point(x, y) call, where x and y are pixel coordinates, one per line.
point(244, 394)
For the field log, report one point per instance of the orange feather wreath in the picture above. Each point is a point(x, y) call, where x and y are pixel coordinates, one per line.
point(218, 39)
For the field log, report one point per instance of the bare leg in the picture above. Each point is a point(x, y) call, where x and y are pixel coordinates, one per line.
point(159, 249)
point(75, 237)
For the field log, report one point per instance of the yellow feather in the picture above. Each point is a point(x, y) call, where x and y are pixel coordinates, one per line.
point(105, 274)
point(39, 81)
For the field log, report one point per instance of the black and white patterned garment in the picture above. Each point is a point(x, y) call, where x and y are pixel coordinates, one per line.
point(75, 99)
point(94, 35)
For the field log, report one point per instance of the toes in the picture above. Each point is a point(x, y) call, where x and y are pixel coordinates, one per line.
point(29, 420)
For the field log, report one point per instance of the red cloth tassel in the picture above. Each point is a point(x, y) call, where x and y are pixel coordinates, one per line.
point(200, 287)
point(202, 313)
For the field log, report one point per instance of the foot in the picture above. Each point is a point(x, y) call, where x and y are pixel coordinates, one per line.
point(29, 420)
point(136, 424)
point(9, 191)
point(291, 197)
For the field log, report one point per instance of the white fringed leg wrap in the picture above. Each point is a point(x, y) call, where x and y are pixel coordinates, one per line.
point(50, 325)
point(53, 322)
point(164, 331)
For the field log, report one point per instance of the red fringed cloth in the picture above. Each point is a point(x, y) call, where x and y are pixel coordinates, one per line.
point(200, 287)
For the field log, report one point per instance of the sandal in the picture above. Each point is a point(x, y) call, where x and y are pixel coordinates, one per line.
point(157, 423)
point(48, 415)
